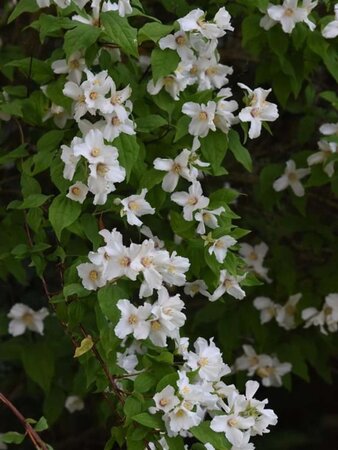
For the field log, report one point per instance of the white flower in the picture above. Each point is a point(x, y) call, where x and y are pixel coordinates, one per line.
point(146, 231)
point(285, 315)
point(176, 168)
point(122, 6)
point(329, 129)
point(328, 316)
point(220, 247)
point(74, 403)
point(208, 218)
point(288, 14)
point(23, 317)
point(59, 115)
point(195, 21)
point(207, 360)
point(250, 361)
point(291, 177)
point(94, 149)
point(95, 88)
point(326, 150)
point(258, 110)
point(182, 418)
point(69, 158)
point(136, 206)
point(91, 276)
point(166, 400)
point(174, 268)
point(233, 425)
point(133, 320)
point(126, 361)
point(228, 284)
point(179, 42)
point(171, 83)
point(76, 93)
point(78, 192)
point(202, 117)
point(267, 308)
point(330, 31)
point(271, 370)
point(254, 258)
point(224, 117)
point(191, 200)
point(73, 67)
point(118, 101)
point(168, 310)
point(212, 74)
point(196, 287)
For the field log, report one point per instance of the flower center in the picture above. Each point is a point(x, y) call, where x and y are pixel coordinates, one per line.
point(146, 261)
point(155, 325)
point(116, 121)
point(95, 152)
point(93, 95)
point(211, 71)
point(168, 81)
point(93, 275)
point(116, 100)
point(203, 115)
point(253, 256)
point(219, 244)
point(292, 176)
point(232, 422)
point(255, 112)
point(124, 261)
point(192, 201)
point(202, 362)
point(74, 64)
point(176, 168)
point(133, 206)
point(27, 318)
point(102, 169)
point(193, 70)
point(163, 401)
point(264, 372)
point(228, 283)
point(180, 40)
point(290, 310)
point(327, 310)
point(289, 12)
point(76, 190)
point(132, 319)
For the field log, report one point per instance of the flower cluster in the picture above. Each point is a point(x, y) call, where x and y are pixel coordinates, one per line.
point(199, 392)
point(267, 367)
point(115, 260)
point(156, 321)
point(327, 148)
point(123, 7)
point(288, 15)
point(326, 317)
point(96, 95)
point(196, 45)
point(284, 314)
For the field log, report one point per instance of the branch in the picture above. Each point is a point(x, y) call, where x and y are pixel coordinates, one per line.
point(33, 435)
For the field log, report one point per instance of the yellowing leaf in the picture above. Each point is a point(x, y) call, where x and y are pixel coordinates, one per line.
point(86, 344)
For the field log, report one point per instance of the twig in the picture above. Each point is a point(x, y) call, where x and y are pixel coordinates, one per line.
point(33, 435)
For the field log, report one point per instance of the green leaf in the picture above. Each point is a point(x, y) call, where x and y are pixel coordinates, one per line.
point(41, 425)
point(182, 127)
point(240, 153)
point(214, 148)
point(39, 71)
point(62, 213)
point(132, 406)
point(149, 420)
point(80, 38)
point(108, 296)
point(120, 32)
point(22, 7)
point(149, 123)
point(14, 154)
point(32, 201)
point(205, 434)
point(12, 437)
point(144, 382)
point(153, 32)
point(38, 362)
point(128, 151)
point(163, 62)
